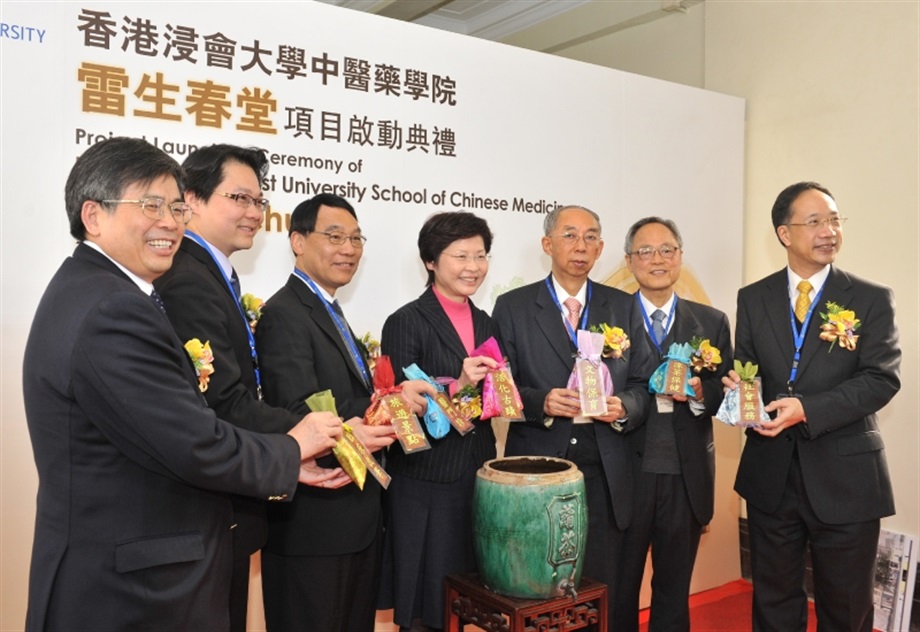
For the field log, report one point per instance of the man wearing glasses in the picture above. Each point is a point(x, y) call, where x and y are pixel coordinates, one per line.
point(321, 566)
point(673, 453)
point(203, 300)
point(827, 348)
point(538, 325)
point(133, 526)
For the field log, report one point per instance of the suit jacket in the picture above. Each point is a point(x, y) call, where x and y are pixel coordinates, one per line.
point(693, 433)
point(200, 305)
point(839, 448)
point(133, 521)
point(541, 356)
point(420, 332)
point(302, 353)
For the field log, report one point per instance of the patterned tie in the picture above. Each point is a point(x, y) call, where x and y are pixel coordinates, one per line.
point(235, 282)
point(348, 332)
point(658, 325)
point(802, 302)
point(158, 300)
point(574, 309)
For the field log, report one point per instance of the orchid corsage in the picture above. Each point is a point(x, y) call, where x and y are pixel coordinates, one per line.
point(252, 307)
point(705, 356)
point(840, 325)
point(468, 401)
point(371, 349)
point(203, 361)
point(615, 340)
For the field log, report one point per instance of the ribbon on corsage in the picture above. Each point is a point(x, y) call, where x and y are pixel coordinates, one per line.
point(743, 406)
point(389, 406)
point(672, 377)
point(440, 414)
point(590, 376)
point(353, 456)
point(500, 397)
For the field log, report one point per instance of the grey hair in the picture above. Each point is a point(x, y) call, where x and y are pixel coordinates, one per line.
point(552, 218)
point(645, 221)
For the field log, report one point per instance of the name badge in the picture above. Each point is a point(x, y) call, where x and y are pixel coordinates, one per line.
point(665, 404)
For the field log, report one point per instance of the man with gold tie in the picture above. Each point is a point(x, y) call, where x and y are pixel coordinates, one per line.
point(826, 345)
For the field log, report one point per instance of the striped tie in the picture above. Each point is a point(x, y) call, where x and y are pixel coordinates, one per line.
point(574, 309)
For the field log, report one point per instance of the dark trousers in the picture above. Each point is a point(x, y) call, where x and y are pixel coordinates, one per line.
point(604, 543)
point(239, 594)
point(663, 520)
point(843, 561)
point(321, 593)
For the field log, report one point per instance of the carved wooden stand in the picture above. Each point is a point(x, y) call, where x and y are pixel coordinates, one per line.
point(468, 601)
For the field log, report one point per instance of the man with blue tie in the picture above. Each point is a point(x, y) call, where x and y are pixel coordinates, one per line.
point(673, 453)
point(202, 296)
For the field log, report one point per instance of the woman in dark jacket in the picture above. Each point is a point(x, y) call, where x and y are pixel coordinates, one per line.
point(429, 529)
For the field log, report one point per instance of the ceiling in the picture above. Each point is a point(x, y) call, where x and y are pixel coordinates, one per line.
point(518, 21)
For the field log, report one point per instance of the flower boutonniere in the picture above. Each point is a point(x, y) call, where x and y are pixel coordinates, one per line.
point(615, 340)
point(202, 359)
point(468, 401)
point(252, 307)
point(840, 325)
point(705, 356)
point(371, 349)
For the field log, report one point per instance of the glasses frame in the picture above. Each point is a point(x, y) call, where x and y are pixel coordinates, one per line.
point(182, 215)
point(479, 260)
point(337, 238)
point(590, 239)
point(647, 253)
point(818, 224)
point(244, 200)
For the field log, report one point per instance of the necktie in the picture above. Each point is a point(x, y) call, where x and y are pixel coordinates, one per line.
point(574, 309)
point(658, 325)
point(158, 300)
point(346, 333)
point(802, 302)
point(235, 282)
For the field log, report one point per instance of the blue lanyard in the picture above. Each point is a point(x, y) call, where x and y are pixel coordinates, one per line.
point(648, 321)
point(798, 336)
point(344, 332)
point(239, 306)
point(583, 321)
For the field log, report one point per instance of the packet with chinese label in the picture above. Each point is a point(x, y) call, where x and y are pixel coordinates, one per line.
point(440, 414)
point(590, 376)
point(389, 406)
point(353, 456)
point(743, 406)
point(500, 397)
point(673, 376)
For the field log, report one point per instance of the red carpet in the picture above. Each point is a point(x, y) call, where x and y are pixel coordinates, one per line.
point(723, 609)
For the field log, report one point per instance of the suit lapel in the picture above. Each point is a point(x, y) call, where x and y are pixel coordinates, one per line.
point(431, 310)
point(837, 289)
point(775, 305)
point(324, 321)
point(549, 321)
point(195, 251)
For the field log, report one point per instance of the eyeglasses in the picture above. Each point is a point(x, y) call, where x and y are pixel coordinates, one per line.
point(646, 253)
point(591, 239)
point(814, 223)
point(155, 208)
point(245, 200)
point(337, 238)
point(479, 260)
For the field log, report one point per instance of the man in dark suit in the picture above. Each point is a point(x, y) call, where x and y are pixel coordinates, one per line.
point(321, 565)
point(537, 324)
point(133, 526)
point(816, 473)
point(673, 453)
point(203, 300)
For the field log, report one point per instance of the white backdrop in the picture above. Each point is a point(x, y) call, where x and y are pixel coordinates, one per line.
point(523, 130)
